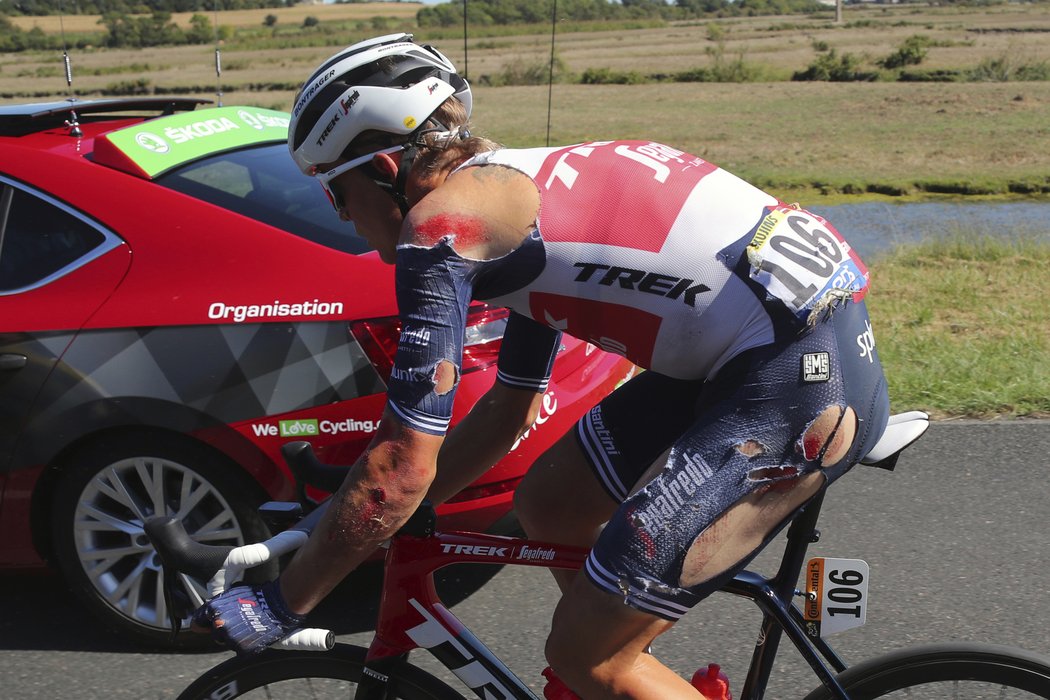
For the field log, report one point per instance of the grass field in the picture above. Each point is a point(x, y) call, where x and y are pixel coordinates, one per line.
point(962, 326)
point(805, 140)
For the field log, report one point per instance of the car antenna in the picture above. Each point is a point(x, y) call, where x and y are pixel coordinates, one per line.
point(550, 78)
point(218, 55)
point(73, 122)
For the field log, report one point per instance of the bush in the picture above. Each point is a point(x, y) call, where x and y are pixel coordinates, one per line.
point(139, 86)
point(1009, 67)
point(518, 72)
point(607, 76)
point(834, 68)
point(910, 53)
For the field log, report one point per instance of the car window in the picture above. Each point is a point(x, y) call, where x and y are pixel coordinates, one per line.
point(264, 184)
point(40, 240)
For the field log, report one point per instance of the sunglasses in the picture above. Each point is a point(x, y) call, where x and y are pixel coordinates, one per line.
point(325, 178)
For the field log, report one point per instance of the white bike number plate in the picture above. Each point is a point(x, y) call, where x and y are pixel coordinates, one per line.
point(836, 595)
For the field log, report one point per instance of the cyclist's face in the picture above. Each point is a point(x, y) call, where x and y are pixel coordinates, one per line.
point(373, 212)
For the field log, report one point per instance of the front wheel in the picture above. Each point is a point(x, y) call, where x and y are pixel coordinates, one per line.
point(944, 671)
point(310, 674)
point(109, 489)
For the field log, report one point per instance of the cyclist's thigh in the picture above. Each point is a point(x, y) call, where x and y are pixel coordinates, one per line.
point(762, 445)
point(634, 426)
point(581, 480)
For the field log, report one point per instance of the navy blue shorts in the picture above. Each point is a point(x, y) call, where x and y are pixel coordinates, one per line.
point(770, 395)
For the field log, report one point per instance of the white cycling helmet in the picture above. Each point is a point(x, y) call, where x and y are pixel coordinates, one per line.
point(389, 84)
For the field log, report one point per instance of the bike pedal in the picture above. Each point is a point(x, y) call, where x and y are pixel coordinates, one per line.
point(712, 683)
point(555, 689)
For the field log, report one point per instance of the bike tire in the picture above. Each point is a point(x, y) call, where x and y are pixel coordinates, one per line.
point(982, 670)
point(304, 675)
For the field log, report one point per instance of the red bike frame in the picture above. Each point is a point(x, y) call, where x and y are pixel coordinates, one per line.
point(412, 616)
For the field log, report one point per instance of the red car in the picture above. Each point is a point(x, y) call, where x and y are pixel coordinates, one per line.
point(176, 302)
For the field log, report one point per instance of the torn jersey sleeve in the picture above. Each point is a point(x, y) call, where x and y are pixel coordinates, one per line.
point(527, 354)
point(434, 289)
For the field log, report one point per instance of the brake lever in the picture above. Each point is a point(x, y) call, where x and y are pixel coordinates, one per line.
point(179, 553)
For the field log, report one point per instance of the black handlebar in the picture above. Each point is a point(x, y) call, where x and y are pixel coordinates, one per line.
point(308, 470)
point(179, 552)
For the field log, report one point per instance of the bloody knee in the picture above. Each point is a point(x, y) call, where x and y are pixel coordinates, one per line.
point(829, 436)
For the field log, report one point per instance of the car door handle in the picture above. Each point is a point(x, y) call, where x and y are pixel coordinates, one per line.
point(12, 361)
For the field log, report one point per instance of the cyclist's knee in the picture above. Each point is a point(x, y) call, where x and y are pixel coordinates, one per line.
point(830, 435)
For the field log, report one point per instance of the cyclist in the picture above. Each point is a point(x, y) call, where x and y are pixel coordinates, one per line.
point(763, 381)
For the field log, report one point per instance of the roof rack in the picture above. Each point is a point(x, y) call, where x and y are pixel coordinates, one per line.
point(16, 120)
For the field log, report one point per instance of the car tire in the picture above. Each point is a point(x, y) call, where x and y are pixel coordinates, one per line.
point(108, 489)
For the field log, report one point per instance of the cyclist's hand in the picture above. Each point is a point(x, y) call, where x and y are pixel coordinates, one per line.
point(248, 618)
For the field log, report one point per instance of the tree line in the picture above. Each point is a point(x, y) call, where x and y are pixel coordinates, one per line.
point(129, 7)
point(504, 12)
point(141, 23)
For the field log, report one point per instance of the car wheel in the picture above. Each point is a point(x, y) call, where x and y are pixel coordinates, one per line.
point(106, 493)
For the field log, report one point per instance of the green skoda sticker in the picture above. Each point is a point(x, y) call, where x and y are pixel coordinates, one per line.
point(158, 145)
point(298, 428)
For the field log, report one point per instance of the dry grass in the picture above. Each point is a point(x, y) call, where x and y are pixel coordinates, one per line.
point(798, 139)
point(240, 18)
point(789, 134)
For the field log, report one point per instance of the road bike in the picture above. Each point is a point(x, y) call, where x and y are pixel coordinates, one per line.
point(412, 616)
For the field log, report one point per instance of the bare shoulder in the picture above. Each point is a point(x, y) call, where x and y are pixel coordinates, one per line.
point(485, 210)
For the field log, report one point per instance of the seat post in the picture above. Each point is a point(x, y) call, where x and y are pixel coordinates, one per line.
point(801, 533)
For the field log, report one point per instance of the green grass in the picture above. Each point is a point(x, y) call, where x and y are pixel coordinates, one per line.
point(963, 326)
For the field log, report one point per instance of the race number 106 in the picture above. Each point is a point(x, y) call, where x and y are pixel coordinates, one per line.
point(836, 595)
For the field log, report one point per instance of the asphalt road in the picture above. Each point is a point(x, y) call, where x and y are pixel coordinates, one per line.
point(956, 539)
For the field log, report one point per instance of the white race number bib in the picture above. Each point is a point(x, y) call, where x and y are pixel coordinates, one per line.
point(803, 261)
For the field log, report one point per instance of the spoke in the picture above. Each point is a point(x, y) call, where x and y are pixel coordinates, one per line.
point(222, 526)
point(192, 492)
point(123, 494)
point(160, 617)
point(134, 589)
point(113, 553)
point(104, 518)
point(125, 585)
point(151, 474)
point(109, 484)
point(102, 564)
point(197, 592)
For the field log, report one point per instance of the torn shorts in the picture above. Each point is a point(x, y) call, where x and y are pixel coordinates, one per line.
point(767, 395)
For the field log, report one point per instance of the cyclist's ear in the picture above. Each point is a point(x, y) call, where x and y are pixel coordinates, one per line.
point(385, 167)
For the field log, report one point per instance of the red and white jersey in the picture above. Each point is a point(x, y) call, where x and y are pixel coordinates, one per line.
point(637, 237)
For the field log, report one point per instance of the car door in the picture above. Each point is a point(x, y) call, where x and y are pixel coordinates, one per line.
point(56, 267)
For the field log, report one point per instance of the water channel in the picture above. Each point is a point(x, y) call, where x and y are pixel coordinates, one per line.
point(874, 227)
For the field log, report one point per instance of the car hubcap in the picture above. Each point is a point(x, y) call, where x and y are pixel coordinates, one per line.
point(113, 548)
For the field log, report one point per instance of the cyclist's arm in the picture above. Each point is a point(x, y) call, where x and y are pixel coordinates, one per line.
point(390, 479)
point(483, 437)
point(382, 489)
point(504, 413)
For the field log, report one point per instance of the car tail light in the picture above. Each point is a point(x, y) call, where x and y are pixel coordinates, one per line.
point(484, 331)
